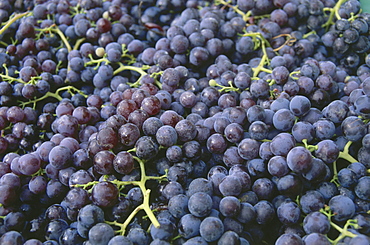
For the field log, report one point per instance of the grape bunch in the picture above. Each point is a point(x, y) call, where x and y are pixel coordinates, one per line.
point(184, 122)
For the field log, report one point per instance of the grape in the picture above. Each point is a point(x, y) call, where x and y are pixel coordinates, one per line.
point(118, 239)
point(347, 178)
point(172, 189)
point(316, 222)
point(324, 129)
point(88, 216)
point(100, 233)
point(264, 188)
point(315, 238)
point(283, 119)
point(264, 212)
point(303, 130)
point(60, 157)
point(138, 236)
point(289, 185)
point(318, 171)
point(166, 136)
point(151, 125)
point(327, 151)
point(248, 149)
point(211, 229)
point(277, 166)
point(361, 189)
point(288, 212)
point(196, 240)
point(29, 164)
point(70, 236)
point(281, 144)
point(189, 225)
point(105, 194)
point(216, 143)
point(229, 206)
point(12, 237)
point(200, 185)
point(230, 185)
point(186, 130)
point(353, 128)
point(299, 105)
point(289, 239)
point(55, 229)
point(200, 204)
point(164, 232)
point(343, 207)
point(299, 159)
point(146, 147)
point(178, 205)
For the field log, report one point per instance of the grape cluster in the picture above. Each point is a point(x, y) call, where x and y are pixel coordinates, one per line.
point(184, 122)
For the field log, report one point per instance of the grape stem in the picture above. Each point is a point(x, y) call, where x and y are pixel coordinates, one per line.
point(333, 12)
point(289, 41)
point(294, 74)
point(64, 39)
point(146, 193)
point(343, 231)
point(231, 87)
point(146, 196)
point(311, 148)
point(259, 40)
point(78, 43)
point(335, 174)
point(345, 153)
point(12, 20)
point(245, 16)
point(139, 70)
point(55, 95)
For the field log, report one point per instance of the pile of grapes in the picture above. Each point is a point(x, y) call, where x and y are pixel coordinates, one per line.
point(160, 122)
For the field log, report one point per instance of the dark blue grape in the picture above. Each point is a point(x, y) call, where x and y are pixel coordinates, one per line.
point(164, 231)
point(101, 233)
point(299, 159)
point(288, 212)
point(362, 188)
point(200, 204)
point(230, 185)
point(289, 239)
point(264, 212)
point(211, 229)
point(316, 222)
point(188, 226)
point(178, 205)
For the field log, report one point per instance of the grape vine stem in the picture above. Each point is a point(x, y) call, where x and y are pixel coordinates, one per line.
point(12, 20)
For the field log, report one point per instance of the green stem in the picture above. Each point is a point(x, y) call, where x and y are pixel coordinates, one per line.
point(229, 88)
point(11, 79)
point(12, 20)
point(345, 153)
point(64, 39)
point(235, 8)
point(259, 40)
point(335, 174)
point(53, 95)
point(146, 197)
point(311, 148)
point(293, 73)
point(78, 43)
point(41, 171)
point(333, 12)
point(343, 231)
